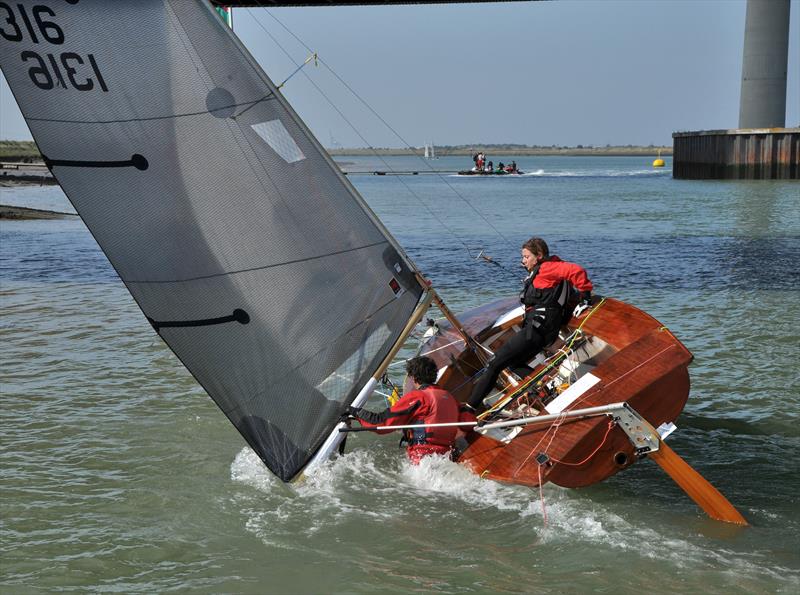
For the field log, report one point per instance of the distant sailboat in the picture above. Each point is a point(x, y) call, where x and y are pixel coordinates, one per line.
point(430, 151)
point(262, 268)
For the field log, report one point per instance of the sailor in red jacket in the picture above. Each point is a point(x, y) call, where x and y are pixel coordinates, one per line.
point(544, 294)
point(427, 404)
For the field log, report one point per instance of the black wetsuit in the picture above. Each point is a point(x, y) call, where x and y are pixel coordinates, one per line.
point(544, 297)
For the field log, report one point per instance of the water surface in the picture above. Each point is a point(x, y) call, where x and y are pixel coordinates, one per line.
point(119, 473)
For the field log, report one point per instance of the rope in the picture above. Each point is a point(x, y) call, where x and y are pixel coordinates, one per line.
point(553, 359)
point(596, 389)
point(348, 122)
point(394, 394)
point(557, 425)
point(530, 454)
point(541, 496)
point(611, 426)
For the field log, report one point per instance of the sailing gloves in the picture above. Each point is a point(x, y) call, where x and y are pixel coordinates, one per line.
point(350, 413)
point(584, 304)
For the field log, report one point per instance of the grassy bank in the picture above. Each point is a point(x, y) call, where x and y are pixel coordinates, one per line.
point(19, 151)
point(23, 213)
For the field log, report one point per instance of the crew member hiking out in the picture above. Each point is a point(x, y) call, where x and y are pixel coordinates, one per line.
point(426, 404)
point(544, 294)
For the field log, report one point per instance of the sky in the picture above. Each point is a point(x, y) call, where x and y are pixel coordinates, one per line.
point(534, 73)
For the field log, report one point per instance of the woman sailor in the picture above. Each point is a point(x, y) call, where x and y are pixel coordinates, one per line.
point(544, 294)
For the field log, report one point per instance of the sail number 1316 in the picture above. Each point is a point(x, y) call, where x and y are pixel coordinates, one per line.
point(48, 70)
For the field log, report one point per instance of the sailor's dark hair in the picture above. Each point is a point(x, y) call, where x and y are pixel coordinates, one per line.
point(422, 369)
point(537, 246)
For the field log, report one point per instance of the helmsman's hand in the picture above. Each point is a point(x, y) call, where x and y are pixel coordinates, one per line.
point(349, 414)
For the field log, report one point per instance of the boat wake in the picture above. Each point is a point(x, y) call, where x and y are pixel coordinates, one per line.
point(609, 173)
point(378, 486)
point(589, 173)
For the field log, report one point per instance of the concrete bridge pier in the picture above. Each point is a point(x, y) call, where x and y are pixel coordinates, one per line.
point(761, 148)
point(764, 65)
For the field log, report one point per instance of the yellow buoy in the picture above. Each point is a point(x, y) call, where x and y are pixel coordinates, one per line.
point(659, 162)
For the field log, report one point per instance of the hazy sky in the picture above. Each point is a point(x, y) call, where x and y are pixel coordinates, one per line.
point(564, 73)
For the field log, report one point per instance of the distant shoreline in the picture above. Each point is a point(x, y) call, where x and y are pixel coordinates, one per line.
point(511, 151)
point(26, 169)
point(26, 153)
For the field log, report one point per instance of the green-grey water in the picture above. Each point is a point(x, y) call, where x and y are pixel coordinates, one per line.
point(119, 474)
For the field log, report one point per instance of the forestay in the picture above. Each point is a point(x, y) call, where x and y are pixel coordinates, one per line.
point(247, 250)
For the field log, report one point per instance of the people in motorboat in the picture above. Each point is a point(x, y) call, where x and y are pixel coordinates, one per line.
point(501, 169)
point(481, 161)
point(544, 295)
point(512, 168)
point(426, 404)
point(489, 167)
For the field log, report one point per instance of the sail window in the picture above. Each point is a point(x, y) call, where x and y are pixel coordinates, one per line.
point(345, 375)
point(277, 137)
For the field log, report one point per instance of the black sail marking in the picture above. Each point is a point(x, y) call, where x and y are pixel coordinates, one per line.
point(138, 161)
point(238, 315)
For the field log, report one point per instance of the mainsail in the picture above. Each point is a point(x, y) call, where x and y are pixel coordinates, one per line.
point(247, 250)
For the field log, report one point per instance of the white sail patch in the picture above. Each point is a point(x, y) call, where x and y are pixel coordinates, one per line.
point(277, 137)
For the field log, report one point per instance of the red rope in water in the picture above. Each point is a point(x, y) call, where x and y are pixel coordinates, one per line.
point(556, 425)
point(541, 496)
point(611, 425)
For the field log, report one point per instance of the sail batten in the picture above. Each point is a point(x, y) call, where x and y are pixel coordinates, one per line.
point(222, 108)
point(247, 250)
point(263, 267)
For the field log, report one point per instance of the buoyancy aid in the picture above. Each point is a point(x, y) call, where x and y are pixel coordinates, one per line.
point(544, 308)
point(428, 404)
point(437, 407)
point(546, 305)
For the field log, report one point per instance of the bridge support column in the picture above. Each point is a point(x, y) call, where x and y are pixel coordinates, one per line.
point(765, 61)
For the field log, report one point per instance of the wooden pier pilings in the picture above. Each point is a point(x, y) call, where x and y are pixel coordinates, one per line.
point(742, 154)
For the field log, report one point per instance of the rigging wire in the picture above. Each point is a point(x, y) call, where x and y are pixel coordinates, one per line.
point(353, 127)
point(313, 55)
point(554, 359)
point(480, 256)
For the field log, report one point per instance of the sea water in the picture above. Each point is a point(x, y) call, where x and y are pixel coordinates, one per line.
point(118, 473)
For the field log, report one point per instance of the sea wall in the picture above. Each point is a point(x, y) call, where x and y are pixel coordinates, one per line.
point(740, 154)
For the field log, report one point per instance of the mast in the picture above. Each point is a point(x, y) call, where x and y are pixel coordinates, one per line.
point(336, 436)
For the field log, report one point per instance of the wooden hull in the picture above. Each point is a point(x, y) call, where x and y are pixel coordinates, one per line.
point(626, 355)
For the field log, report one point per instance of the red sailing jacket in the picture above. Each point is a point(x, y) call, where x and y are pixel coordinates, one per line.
point(426, 405)
point(554, 270)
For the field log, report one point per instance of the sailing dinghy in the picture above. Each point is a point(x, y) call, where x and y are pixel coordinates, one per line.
point(265, 272)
